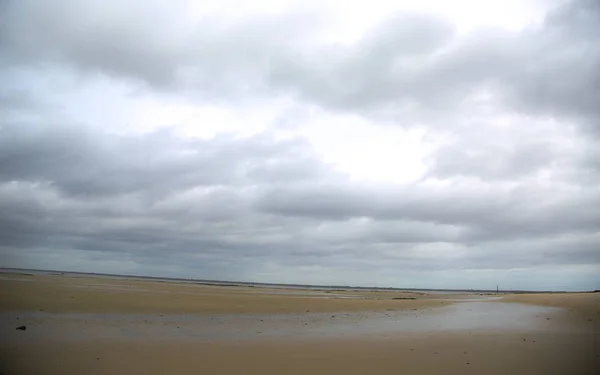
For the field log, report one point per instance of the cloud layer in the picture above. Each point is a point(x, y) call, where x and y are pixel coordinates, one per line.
point(181, 142)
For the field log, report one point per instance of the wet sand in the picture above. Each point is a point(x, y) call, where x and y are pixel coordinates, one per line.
point(438, 354)
point(98, 326)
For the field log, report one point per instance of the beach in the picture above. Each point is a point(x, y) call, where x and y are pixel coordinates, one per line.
point(98, 325)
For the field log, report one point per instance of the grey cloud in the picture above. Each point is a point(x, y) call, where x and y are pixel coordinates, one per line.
point(243, 243)
point(381, 67)
point(79, 162)
point(499, 213)
point(159, 44)
point(526, 151)
point(114, 37)
point(13, 101)
point(242, 207)
point(74, 188)
point(575, 248)
point(491, 162)
point(552, 70)
point(251, 57)
point(560, 75)
point(409, 62)
point(301, 222)
point(342, 202)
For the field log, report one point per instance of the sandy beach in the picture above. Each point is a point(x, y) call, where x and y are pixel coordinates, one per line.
point(299, 187)
point(98, 325)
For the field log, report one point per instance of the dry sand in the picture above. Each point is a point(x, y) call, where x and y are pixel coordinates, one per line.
point(102, 295)
point(560, 336)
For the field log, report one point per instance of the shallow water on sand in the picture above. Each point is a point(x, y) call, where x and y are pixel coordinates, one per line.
point(468, 316)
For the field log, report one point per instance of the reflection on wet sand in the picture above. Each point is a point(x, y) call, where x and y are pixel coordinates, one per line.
point(462, 316)
point(87, 325)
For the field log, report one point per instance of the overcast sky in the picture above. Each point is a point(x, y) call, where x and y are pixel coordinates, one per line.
point(409, 143)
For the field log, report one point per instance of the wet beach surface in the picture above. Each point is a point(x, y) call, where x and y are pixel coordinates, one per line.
point(470, 316)
point(99, 326)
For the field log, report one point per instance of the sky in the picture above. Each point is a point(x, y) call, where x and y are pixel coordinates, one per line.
point(416, 144)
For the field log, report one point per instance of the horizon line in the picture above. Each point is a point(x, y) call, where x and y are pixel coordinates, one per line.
point(250, 283)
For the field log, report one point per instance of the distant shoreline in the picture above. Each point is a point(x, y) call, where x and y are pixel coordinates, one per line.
point(266, 285)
